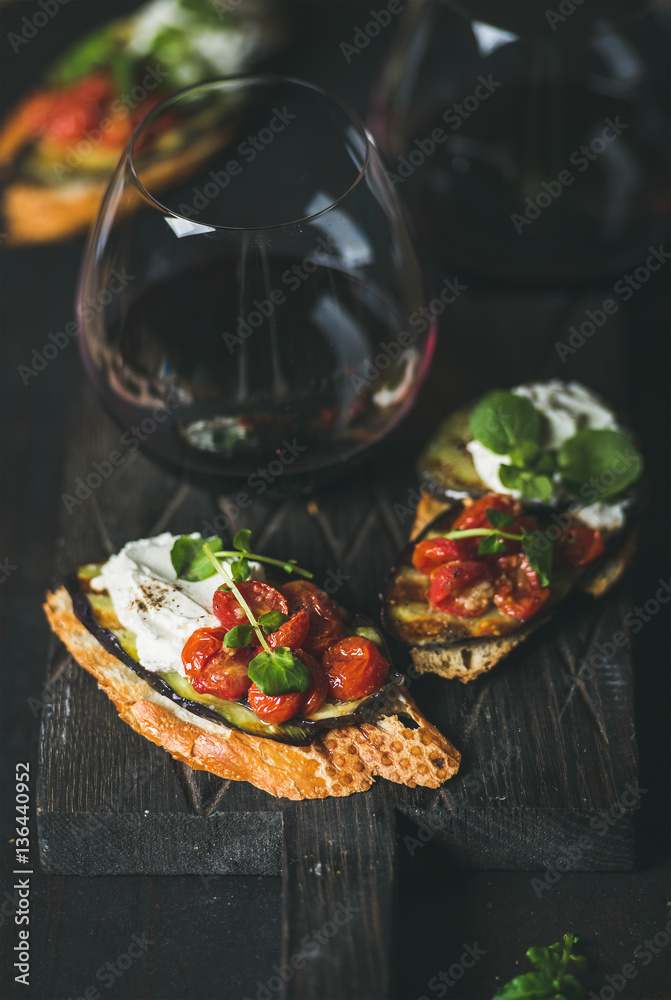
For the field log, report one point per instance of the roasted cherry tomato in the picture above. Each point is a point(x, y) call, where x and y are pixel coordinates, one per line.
point(354, 667)
point(325, 619)
point(463, 589)
point(475, 514)
point(259, 596)
point(212, 668)
point(518, 591)
point(293, 633)
point(317, 693)
point(576, 547)
point(279, 708)
point(434, 552)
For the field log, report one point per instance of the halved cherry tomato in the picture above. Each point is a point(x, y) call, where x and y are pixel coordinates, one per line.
point(325, 619)
point(260, 597)
point(317, 693)
point(475, 514)
point(518, 591)
point(212, 668)
point(278, 708)
point(464, 589)
point(576, 547)
point(293, 633)
point(354, 667)
point(434, 552)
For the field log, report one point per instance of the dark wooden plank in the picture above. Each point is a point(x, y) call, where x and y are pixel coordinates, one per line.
point(339, 898)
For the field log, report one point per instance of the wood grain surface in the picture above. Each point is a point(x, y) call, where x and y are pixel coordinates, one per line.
point(223, 936)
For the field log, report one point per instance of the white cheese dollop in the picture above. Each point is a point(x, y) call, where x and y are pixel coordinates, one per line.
point(568, 407)
point(149, 601)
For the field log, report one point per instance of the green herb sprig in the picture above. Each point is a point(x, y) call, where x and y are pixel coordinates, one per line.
point(190, 563)
point(596, 464)
point(536, 545)
point(275, 671)
point(550, 979)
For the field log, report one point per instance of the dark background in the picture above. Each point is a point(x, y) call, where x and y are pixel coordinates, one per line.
point(217, 940)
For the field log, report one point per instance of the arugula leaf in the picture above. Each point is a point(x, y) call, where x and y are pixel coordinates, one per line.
point(502, 422)
point(188, 559)
point(272, 620)
point(599, 463)
point(242, 540)
point(239, 636)
point(279, 672)
point(537, 547)
point(240, 570)
point(491, 544)
point(499, 518)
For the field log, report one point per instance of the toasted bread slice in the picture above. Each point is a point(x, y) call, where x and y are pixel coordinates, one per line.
point(39, 213)
point(466, 660)
point(339, 762)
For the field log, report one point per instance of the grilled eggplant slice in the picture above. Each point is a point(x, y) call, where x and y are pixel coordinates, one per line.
point(463, 648)
point(95, 611)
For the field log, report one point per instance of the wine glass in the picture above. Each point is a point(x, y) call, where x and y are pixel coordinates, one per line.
point(250, 290)
point(530, 141)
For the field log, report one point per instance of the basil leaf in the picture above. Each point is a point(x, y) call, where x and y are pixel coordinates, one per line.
point(499, 518)
point(531, 486)
point(242, 540)
point(279, 672)
point(546, 462)
point(491, 544)
point(537, 547)
point(524, 454)
point(570, 987)
point(599, 464)
point(530, 986)
point(239, 636)
point(548, 958)
point(502, 421)
point(188, 559)
point(240, 570)
point(272, 620)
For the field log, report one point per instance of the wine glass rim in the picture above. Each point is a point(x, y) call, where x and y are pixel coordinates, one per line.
point(254, 78)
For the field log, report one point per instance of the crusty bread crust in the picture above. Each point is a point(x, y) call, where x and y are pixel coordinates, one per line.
point(339, 762)
point(466, 661)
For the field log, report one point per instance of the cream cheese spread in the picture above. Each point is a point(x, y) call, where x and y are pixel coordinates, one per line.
point(150, 601)
point(567, 407)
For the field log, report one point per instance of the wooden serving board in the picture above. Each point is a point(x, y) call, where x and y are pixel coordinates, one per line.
point(548, 759)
